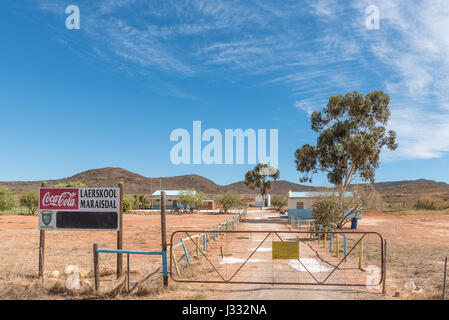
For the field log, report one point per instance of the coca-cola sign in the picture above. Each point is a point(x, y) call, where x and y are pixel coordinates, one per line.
point(59, 199)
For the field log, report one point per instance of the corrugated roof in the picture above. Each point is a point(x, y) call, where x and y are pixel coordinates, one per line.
point(317, 194)
point(169, 192)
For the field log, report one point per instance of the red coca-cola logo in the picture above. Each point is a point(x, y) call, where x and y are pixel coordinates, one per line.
point(59, 199)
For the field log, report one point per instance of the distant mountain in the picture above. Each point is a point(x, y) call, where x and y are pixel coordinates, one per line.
point(138, 184)
point(133, 182)
point(382, 185)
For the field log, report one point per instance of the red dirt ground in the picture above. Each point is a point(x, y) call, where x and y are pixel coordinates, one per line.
point(417, 244)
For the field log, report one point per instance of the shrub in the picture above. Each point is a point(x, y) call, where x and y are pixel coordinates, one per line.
point(30, 200)
point(191, 198)
point(127, 204)
point(279, 202)
point(429, 203)
point(6, 199)
point(228, 200)
point(74, 184)
point(326, 212)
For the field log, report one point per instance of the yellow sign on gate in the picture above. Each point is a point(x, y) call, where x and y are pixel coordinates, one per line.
point(285, 250)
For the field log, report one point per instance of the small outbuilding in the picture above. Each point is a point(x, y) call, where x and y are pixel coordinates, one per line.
point(300, 203)
point(260, 202)
point(172, 197)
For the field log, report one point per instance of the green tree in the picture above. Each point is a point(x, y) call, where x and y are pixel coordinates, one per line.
point(127, 203)
point(73, 184)
point(279, 202)
point(326, 212)
point(191, 198)
point(6, 199)
point(135, 202)
point(261, 178)
point(228, 200)
point(352, 134)
point(30, 200)
point(143, 202)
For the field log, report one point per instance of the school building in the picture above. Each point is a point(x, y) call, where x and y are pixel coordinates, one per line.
point(300, 203)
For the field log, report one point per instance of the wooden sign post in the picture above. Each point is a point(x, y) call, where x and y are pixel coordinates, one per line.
point(120, 235)
point(42, 247)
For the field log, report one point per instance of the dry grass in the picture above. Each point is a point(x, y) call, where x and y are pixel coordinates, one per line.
point(429, 203)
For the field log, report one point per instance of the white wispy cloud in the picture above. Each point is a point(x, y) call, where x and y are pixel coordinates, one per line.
point(316, 48)
point(413, 43)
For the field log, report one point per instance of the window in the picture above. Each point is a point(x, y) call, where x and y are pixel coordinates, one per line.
point(299, 205)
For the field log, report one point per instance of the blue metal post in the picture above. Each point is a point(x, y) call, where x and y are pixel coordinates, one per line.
point(204, 242)
point(330, 241)
point(300, 223)
point(164, 264)
point(215, 240)
point(185, 251)
point(344, 237)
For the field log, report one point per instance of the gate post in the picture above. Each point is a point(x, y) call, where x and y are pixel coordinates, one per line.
point(444, 278)
point(384, 282)
point(163, 236)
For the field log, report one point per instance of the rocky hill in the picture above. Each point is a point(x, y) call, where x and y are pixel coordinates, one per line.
point(394, 191)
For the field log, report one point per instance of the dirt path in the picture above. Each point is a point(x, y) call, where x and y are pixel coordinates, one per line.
point(225, 259)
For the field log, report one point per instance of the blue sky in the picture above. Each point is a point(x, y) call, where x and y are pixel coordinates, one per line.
point(110, 93)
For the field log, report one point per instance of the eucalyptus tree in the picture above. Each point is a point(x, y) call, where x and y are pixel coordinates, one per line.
point(261, 178)
point(351, 134)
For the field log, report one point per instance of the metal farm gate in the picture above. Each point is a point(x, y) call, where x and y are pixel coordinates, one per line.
point(329, 258)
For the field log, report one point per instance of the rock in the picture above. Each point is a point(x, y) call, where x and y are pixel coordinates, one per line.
point(410, 285)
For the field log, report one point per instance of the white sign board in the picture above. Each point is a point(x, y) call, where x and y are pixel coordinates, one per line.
point(79, 209)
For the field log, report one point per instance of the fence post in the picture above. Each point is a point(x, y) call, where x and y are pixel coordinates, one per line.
point(444, 278)
point(127, 271)
point(330, 240)
point(208, 238)
point(42, 247)
point(185, 251)
point(319, 233)
point(163, 234)
point(309, 227)
point(204, 242)
point(173, 256)
point(96, 273)
point(337, 249)
point(324, 238)
point(215, 239)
